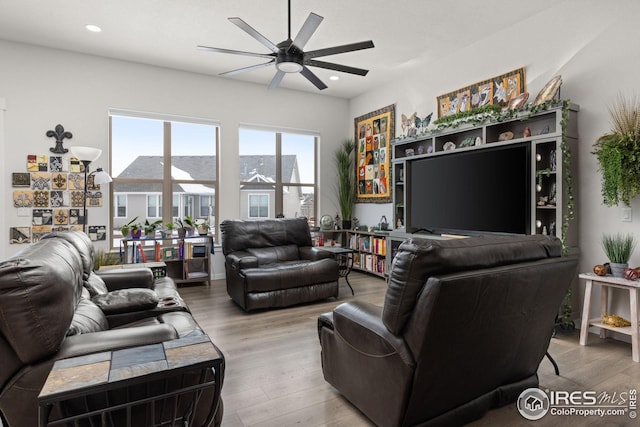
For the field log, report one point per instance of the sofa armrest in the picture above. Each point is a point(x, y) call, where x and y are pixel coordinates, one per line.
point(114, 339)
point(312, 253)
point(124, 278)
point(360, 325)
point(240, 260)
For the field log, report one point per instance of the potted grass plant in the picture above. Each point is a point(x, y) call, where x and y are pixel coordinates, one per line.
point(618, 248)
point(345, 166)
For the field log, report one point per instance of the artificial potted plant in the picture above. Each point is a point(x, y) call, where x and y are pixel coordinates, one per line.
point(126, 229)
point(150, 228)
point(618, 153)
point(185, 225)
point(618, 249)
point(136, 230)
point(345, 165)
point(203, 227)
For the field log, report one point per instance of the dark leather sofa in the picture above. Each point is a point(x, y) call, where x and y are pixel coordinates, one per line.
point(53, 306)
point(272, 263)
point(464, 327)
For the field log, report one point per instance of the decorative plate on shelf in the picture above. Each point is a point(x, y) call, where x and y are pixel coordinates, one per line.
point(326, 222)
point(549, 91)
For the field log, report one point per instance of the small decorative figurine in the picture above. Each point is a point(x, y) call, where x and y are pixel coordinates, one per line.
point(526, 133)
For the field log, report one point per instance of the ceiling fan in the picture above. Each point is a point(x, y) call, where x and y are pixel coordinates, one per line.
point(289, 57)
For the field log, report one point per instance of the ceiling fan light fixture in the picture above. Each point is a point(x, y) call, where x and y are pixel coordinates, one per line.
point(289, 66)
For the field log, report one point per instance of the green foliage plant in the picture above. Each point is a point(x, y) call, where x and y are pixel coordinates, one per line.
point(150, 227)
point(131, 225)
point(345, 166)
point(618, 247)
point(618, 153)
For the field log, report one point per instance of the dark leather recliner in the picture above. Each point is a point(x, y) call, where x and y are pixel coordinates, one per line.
point(53, 306)
point(464, 327)
point(272, 263)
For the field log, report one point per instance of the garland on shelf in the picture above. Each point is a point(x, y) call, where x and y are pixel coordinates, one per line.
point(475, 116)
point(490, 114)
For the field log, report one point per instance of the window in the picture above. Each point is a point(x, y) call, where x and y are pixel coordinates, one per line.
point(206, 204)
point(120, 205)
point(277, 173)
point(258, 206)
point(154, 206)
point(157, 159)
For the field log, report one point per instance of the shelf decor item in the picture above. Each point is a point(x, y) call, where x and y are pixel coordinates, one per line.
point(618, 151)
point(373, 134)
point(618, 248)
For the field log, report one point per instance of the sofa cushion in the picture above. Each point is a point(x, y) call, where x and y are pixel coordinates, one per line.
point(87, 318)
point(274, 254)
point(291, 274)
point(126, 300)
point(39, 290)
point(95, 285)
point(238, 235)
point(83, 245)
point(419, 259)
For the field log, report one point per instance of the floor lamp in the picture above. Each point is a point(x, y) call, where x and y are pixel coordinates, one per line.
point(87, 155)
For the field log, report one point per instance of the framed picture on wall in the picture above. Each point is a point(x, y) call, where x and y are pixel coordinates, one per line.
point(373, 132)
point(498, 90)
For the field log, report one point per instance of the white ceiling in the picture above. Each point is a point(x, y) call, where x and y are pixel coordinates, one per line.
point(408, 34)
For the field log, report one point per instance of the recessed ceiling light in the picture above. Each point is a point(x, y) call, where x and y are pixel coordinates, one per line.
point(334, 78)
point(93, 28)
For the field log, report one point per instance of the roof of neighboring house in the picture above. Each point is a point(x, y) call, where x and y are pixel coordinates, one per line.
point(200, 168)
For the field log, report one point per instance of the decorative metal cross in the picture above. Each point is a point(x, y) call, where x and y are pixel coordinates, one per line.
point(59, 134)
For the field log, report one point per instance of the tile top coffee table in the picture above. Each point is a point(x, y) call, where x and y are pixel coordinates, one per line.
point(90, 375)
point(344, 257)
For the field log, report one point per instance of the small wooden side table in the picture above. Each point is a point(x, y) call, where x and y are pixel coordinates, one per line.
point(610, 282)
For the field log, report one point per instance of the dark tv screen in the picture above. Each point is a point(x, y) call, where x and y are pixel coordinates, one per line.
point(474, 192)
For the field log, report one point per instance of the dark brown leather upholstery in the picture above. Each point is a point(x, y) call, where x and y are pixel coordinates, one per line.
point(272, 263)
point(47, 314)
point(464, 327)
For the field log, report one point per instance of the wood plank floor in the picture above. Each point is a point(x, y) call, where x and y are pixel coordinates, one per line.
point(274, 378)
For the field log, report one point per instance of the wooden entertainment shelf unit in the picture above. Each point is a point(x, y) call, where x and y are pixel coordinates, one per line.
point(542, 130)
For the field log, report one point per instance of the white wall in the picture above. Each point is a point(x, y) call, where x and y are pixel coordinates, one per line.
point(593, 45)
point(44, 87)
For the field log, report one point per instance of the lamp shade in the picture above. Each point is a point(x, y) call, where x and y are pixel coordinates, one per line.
point(101, 177)
point(88, 154)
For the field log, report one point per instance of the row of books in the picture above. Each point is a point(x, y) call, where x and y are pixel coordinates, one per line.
point(369, 262)
point(372, 244)
point(138, 253)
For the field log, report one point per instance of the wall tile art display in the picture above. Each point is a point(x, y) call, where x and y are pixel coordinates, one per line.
point(52, 192)
point(373, 132)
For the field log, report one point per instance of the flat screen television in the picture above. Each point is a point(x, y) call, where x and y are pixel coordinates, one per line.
point(474, 192)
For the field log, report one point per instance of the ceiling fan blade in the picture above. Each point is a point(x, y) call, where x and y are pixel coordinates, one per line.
point(276, 79)
point(313, 78)
point(253, 33)
point(339, 49)
point(236, 52)
point(337, 67)
point(242, 70)
point(308, 28)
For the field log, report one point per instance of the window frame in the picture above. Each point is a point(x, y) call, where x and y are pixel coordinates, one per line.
point(167, 182)
point(279, 185)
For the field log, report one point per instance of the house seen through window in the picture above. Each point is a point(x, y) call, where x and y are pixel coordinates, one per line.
point(277, 173)
point(163, 168)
